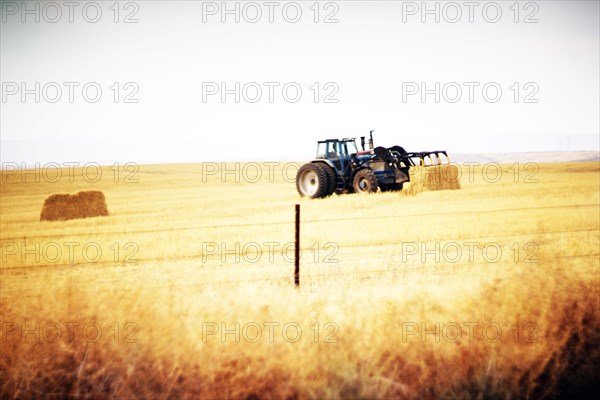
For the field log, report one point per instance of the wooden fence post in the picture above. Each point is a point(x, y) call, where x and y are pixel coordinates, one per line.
point(297, 248)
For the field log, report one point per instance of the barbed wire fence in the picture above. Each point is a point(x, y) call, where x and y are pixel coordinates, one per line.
point(292, 275)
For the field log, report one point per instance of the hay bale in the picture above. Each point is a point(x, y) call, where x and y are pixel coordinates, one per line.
point(435, 177)
point(60, 207)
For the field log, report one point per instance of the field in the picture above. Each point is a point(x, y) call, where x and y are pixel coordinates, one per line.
point(186, 289)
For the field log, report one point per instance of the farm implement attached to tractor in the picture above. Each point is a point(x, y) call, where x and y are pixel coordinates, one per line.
point(340, 167)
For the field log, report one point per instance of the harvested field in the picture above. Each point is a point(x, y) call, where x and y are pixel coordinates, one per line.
point(490, 291)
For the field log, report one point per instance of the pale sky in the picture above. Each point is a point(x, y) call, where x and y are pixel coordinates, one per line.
point(373, 58)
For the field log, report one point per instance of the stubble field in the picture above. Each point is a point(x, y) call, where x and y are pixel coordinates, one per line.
point(186, 289)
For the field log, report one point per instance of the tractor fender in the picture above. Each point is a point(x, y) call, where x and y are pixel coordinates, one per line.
point(324, 161)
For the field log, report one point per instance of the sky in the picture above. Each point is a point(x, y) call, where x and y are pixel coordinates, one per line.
point(193, 81)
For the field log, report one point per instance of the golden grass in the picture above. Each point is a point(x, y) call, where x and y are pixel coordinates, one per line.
point(368, 287)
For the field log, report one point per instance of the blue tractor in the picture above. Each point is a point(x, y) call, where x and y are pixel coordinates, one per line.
point(340, 167)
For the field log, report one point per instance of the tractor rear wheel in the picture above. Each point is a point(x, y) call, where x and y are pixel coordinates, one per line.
point(365, 181)
point(331, 178)
point(311, 181)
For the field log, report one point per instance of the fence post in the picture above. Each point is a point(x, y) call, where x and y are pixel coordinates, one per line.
point(297, 248)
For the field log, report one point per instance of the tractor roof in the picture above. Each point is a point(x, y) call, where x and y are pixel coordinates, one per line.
point(338, 140)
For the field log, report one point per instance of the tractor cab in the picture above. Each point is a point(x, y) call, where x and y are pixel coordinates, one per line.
point(336, 148)
point(337, 151)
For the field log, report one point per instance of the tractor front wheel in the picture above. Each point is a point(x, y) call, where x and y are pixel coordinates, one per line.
point(365, 181)
point(312, 182)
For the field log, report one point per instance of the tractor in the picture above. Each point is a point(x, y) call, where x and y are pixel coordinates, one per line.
point(339, 167)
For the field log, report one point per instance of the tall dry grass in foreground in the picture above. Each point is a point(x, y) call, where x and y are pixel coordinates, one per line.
point(374, 318)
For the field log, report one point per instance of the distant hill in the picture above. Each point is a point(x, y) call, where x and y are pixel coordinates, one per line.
point(540, 157)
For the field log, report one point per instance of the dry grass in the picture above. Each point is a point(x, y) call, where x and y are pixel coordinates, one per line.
point(365, 272)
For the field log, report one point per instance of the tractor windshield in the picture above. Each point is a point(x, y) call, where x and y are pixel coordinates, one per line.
point(350, 147)
point(322, 150)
